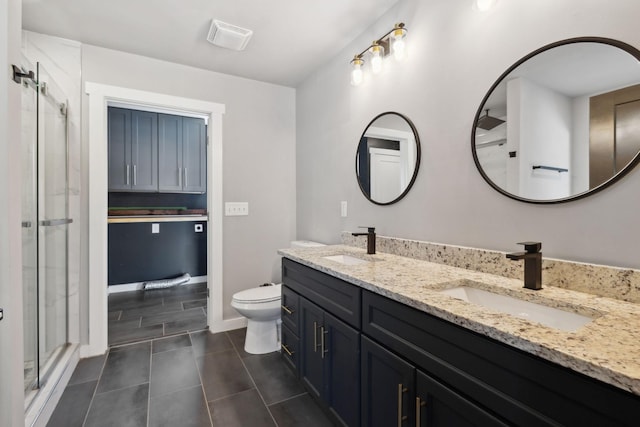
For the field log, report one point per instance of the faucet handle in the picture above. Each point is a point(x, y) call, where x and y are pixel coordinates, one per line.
point(531, 247)
point(369, 229)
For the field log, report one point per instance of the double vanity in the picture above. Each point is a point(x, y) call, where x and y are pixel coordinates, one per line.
point(389, 340)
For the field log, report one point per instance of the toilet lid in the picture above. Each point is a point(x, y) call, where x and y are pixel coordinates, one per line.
point(260, 294)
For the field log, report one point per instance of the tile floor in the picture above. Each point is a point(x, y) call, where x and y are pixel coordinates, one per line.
point(192, 379)
point(143, 315)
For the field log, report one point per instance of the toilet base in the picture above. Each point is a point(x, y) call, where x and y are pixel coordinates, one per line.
point(262, 336)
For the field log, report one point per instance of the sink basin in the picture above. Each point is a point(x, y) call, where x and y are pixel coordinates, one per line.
point(346, 259)
point(548, 316)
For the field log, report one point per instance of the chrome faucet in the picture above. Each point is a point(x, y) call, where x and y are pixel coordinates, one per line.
point(371, 239)
point(532, 264)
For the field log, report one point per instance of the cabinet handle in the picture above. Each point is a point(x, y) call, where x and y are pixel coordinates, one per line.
point(419, 404)
point(287, 310)
point(135, 175)
point(315, 337)
point(180, 177)
point(323, 333)
point(186, 183)
point(127, 175)
point(286, 350)
point(401, 417)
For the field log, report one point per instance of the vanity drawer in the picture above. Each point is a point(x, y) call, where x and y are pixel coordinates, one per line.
point(336, 296)
point(525, 389)
point(290, 308)
point(289, 346)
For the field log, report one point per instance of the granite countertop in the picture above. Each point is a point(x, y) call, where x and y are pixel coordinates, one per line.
point(608, 348)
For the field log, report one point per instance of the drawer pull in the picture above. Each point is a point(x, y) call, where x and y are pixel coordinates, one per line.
point(401, 417)
point(286, 350)
point(287, 309)
point(323, 333)
point(419, 404)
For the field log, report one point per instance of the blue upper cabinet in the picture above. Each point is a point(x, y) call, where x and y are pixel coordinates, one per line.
point(154, 152)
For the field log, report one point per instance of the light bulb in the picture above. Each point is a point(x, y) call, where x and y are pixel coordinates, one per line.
point(398, 44)
point(356, 74)
point(376, 58)
point(484, 5)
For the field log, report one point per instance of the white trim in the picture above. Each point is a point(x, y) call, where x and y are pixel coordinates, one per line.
point(100, 96)
point(229, 325)
point(137, 286)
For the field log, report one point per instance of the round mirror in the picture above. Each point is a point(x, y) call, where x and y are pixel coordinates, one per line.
point(388, 158)
point(561, 123)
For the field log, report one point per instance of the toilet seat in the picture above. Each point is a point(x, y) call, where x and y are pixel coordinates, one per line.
point(258, 295)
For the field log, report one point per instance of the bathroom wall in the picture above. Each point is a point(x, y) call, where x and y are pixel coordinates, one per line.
point(455, 53)
point(258, 155)
point(11, 358)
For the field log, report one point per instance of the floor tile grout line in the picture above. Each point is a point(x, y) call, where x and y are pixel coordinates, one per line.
point(287, 399)
point(254, 382)
point(204, 393)
point(95, 390)
point(149, 386)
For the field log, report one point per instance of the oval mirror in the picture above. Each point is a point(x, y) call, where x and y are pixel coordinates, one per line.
point(561, 123)
point(388, 158)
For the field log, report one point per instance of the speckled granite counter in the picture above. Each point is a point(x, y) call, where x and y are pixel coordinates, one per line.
point(607, 349)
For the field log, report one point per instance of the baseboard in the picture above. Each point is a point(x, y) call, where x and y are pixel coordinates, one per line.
point(137, 286)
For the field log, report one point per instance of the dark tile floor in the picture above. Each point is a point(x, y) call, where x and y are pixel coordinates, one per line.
point(143, 315)
point(192, 379)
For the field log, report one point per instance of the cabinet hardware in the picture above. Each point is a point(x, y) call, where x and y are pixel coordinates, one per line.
point(286, 350)
point(287, 310)
point(315, 337)
point(419, 404)
point(180, 177)
point(323, 333)
point(127, 177)
point(135, 175)
point(186, 183)
point(401, 417)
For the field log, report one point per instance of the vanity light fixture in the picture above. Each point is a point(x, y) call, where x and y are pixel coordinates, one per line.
point(392, 41)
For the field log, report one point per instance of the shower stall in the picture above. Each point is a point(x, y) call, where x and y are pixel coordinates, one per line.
point(45, 223)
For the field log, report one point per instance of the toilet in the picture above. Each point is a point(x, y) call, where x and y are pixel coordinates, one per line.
point(262, 307)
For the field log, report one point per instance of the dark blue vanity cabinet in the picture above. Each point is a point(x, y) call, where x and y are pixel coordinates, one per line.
point(415, 369)
point(133, 150)
point(328, 358)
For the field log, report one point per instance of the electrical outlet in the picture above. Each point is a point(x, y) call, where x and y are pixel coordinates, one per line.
point(236, 208)
point(343, 209)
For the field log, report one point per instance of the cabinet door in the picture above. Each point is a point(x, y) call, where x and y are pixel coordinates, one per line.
point(341, 344)
point(169, 153)
point(119, 137)
point(311, 356)
point(388, 387)
point(194, 155)
point(438, 405)
point(144, 151)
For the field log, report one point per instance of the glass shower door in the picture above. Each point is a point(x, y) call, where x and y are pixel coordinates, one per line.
point(45, 222)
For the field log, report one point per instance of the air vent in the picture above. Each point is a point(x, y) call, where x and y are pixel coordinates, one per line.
point(228, 36)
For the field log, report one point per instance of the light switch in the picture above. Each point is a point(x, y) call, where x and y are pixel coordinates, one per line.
point(236, 208)
point(155, 228)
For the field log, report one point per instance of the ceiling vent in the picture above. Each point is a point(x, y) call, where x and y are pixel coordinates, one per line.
point(228, 36)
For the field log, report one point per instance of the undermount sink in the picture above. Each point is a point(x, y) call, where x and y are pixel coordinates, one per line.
point(346, 259)
point(548, 316)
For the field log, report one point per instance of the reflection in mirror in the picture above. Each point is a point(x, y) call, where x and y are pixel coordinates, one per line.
point(388, 158)
point(561, 123)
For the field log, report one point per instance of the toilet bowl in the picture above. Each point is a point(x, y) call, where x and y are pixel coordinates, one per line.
point(261, 306)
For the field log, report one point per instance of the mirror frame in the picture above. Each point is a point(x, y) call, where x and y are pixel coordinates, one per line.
point(417, 164)
point(632, 164)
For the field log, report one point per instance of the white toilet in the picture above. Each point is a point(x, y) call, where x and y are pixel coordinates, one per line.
point(261, 306)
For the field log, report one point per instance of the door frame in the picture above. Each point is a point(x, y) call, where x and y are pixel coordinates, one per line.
point(100, 97)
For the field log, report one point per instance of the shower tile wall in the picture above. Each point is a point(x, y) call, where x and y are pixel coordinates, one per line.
point(62, 59)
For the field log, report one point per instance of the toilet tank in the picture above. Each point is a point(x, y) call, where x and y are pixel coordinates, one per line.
point(305, 244)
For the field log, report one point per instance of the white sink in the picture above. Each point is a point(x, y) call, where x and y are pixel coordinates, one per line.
point(346, 259)
point(548, 316)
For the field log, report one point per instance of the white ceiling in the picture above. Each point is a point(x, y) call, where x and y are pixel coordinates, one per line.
point(290, 37)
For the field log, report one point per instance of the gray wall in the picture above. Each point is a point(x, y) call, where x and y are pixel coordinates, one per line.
point(258, 155)
point(455, 55)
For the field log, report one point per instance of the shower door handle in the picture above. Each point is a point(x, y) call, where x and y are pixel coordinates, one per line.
point(54, 222)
